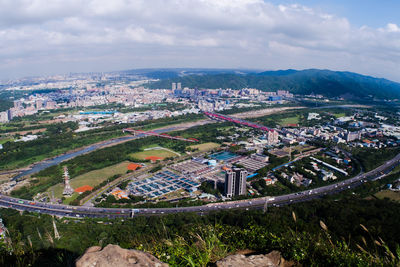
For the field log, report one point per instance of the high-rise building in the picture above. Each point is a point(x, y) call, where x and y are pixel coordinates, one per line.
point(351, 136)
point(179, 86)
point(272, 137)
point(10, 114)
point(173, 86)
point(230, 183)
point(3, 116)
point(39, 104)
point(235, 182)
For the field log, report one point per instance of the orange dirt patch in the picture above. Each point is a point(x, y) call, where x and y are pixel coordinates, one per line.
point(154, 158)
point(133, 166)
point(84, 189)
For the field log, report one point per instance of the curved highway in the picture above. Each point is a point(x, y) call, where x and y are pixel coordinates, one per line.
point(80, 212)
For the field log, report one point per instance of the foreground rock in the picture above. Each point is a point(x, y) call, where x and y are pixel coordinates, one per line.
point(115, 256)
point(273, 259)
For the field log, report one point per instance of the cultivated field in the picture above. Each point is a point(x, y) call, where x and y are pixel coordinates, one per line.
point(206, 146)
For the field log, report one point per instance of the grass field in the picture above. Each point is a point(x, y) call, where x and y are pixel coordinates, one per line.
point(154, 152)
point(205, 146)
point(388, 194)
point(4, 140)
point(338, 115)
point(289, 120)
point(92, 178)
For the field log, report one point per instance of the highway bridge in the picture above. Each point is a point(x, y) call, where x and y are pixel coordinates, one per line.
point(256, 203)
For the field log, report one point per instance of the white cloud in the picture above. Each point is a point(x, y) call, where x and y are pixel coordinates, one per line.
point(77, 35)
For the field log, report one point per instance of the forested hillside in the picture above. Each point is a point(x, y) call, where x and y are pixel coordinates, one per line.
point(326, 82)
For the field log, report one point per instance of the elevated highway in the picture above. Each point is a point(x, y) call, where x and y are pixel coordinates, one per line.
point(257, 203)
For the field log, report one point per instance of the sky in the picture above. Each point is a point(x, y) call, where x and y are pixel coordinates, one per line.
point(41, 37)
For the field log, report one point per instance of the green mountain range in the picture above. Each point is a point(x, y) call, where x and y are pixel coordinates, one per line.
point(325, 82)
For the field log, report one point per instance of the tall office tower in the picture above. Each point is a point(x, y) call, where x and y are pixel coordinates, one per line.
point(179, 86)
point(173, 87)
point(235, 182)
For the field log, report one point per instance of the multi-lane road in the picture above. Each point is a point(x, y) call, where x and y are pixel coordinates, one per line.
point(80, 212)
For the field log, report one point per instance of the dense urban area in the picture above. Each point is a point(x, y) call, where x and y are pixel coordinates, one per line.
point(94, 155)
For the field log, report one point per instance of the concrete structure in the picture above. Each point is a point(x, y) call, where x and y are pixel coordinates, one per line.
point(272, 137)
point(4, 116)
point(235, 182)
point(351, 136)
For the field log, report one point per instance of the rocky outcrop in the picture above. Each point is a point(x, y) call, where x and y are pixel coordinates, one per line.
point(273, 259)
point(115, 256)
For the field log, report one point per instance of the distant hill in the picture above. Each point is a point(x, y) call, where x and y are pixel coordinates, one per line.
point(325, 82)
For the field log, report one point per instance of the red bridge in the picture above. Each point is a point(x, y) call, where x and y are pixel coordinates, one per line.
point(164, 135)
point(238, 121)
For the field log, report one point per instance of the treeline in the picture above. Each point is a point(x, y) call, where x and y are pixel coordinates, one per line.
point(5, 104)
point(370, 158)
point(349, 232)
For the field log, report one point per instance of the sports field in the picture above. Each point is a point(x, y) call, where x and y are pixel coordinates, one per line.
point(154, 152)
point(91, 178)
point(289, 120)
point(206, 146)
point(339, 115)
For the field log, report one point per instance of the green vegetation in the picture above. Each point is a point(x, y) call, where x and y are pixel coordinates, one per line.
point(60, 138)
point(301, 117)
point(371, 158)
point(318, 233)
point(339, 115)
point(205, 146)
point(159, 152)
point(91, 178)
point(5, 104)
point(289, 120)
point(92, 161)
point(392, 195)
point(325, 82)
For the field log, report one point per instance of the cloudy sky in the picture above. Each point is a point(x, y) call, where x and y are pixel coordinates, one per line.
point(40, 37)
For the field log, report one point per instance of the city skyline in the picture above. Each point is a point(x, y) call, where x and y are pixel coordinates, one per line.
point(39, 38)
